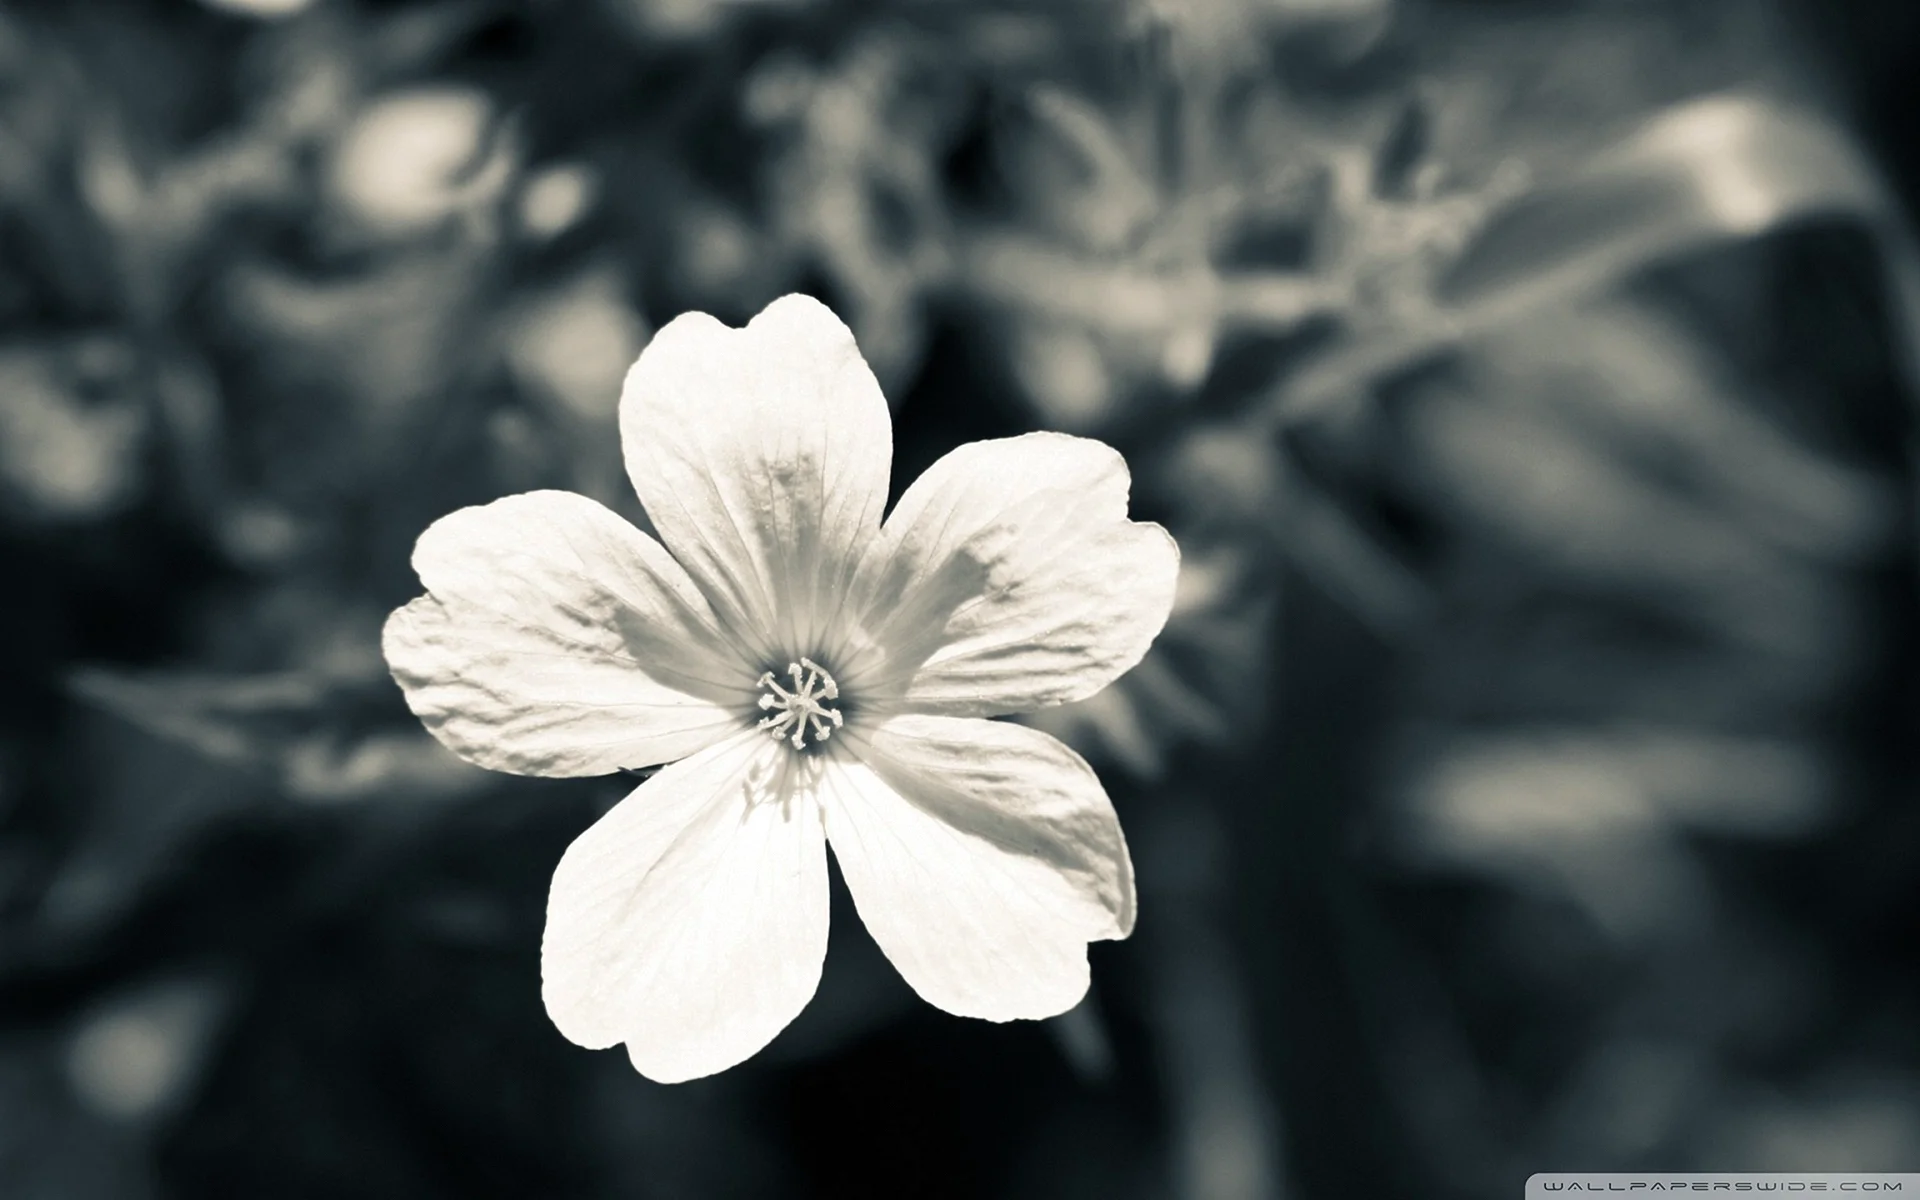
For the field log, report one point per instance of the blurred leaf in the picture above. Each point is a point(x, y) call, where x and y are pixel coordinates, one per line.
point(51, 1147)
point(73, 430)
point(1712, 171)
point(135, 1055)
point(307, 730)
point(413, 161)
point(856, 181)
point(263, 9)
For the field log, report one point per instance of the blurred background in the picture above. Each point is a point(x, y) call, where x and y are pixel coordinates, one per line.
point(1525, 781)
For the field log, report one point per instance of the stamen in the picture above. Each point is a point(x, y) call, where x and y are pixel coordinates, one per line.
point(802, 711)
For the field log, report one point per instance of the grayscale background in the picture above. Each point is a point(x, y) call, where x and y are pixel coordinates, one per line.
point(1526, 780)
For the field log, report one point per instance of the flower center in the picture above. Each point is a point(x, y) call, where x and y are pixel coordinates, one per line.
point(802, 711)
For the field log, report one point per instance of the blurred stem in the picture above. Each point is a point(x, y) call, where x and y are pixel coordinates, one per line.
point(1228, 1141)
point(1303, 919)
point(1347, 562)
point(1127, 301)
point(1712, 171)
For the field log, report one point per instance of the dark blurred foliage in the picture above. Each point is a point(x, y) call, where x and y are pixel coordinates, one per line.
point(1524, 782)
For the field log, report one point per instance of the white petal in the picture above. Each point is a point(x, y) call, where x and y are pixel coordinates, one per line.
point(762, 456)
point(1009, 578)
point(983, 857)
point(690, 922)
point(557, 639)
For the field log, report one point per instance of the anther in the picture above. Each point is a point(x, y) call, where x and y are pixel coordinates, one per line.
point(801, 711)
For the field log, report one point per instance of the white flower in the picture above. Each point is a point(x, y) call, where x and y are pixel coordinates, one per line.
point(812, 675)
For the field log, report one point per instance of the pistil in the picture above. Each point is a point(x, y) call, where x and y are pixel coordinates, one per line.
point(802, 711)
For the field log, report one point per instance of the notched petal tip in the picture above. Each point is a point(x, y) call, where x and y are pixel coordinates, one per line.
point(795, 320)
point(408, 644)
point(1063, 988)
point(405, 646)
point(1153, 567)
point(802, 313)
point(762, 456)
point(690, 922)
point(1011, 578)
point(983, 857)
point(555, 639)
